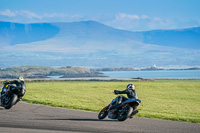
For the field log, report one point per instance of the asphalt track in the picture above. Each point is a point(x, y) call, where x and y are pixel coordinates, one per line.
point(32, 118)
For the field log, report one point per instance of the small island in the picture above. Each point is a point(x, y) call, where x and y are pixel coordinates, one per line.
point(46, 72)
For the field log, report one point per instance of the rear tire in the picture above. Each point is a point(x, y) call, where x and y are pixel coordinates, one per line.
point(11, 102)
point(126, 114)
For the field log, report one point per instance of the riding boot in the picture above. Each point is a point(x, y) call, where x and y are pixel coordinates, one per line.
point(19, 99)
point(133, 113)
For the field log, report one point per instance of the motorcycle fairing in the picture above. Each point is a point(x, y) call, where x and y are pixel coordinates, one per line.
point(132, 102)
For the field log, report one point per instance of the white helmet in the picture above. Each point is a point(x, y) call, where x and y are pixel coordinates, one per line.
point(130, 86)
point(21, 78)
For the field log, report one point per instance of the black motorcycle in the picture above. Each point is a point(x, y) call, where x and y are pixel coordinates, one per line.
point(126, 110)
point(9, 98)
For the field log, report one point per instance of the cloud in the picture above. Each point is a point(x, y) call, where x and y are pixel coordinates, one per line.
point(24, 13)
point(130, 17)
point(61, 15)
point(136, 22)
point(122, 16)
point(28, 14)
point(54, 15)
point(31, 15)
point(7, 13)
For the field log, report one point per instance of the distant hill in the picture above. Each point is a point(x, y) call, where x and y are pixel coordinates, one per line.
point(184, 38)
point(92, 44)
point(45, 72)
point(15, 33)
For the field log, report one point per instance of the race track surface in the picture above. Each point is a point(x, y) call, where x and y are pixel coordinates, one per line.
point(31, 118)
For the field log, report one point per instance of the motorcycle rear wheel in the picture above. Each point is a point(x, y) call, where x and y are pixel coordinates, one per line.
point(12, 101)
point(126, 114)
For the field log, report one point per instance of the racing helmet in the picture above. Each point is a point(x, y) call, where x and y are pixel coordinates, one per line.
point(21, 78)
point(130, 86)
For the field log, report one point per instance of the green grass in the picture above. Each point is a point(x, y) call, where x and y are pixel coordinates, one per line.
point(177, 100)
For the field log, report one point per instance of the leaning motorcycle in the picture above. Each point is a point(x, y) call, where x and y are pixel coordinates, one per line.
point(9, 98)
point(126, 110)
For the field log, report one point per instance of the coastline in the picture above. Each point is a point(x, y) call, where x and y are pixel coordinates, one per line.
point(97, 80)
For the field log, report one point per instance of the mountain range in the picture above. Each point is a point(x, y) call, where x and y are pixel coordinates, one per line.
point(92, 44)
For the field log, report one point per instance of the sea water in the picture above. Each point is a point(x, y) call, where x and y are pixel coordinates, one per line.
point(171, 74)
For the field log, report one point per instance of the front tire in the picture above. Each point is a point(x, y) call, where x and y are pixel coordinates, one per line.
point(126, 114)
point(12, 101)
point(102, 114)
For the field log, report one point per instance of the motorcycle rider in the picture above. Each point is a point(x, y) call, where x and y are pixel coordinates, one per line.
point(20, 86)
point(131, 94)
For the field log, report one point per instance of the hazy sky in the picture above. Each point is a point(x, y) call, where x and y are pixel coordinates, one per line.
point(131, 15)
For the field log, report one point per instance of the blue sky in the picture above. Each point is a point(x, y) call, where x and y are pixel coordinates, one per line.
point(133, 15)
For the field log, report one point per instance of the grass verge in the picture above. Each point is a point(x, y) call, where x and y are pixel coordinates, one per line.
point(177, 100)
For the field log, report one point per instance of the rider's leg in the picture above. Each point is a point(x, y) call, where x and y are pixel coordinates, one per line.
point(135, 111)
point(120, 100)
point(113, 103)
point(116, 102)
point(124, 99)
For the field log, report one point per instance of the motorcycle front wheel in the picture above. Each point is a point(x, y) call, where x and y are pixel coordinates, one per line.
point(11, 102)
point(103, 113)
point(127, 110)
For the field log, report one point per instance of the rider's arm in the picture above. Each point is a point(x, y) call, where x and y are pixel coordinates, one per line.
point(121, 92)
point(13, 82)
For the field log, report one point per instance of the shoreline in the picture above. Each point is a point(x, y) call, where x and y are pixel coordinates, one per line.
point(97, 79)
